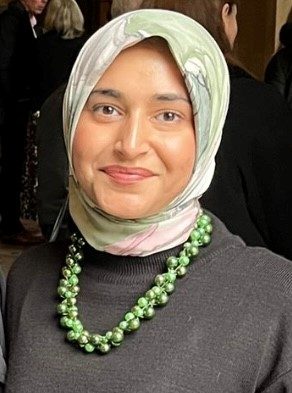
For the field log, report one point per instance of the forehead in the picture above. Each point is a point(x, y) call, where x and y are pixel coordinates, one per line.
point(149, 60)
point(33, 2)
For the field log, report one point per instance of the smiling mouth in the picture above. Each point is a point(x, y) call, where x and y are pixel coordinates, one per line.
point(127, 175)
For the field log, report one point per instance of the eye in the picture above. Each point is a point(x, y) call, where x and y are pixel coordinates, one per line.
point(168, 116)
point(106, 110)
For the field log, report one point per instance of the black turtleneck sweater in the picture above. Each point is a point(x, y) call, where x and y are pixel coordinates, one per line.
point(227, 327)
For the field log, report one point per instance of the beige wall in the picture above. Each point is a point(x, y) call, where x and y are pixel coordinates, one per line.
point(259, 24)
point(283, 13)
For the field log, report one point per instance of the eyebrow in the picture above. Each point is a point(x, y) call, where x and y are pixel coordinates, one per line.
point(160, 97)
point(171, 97)
point(107, 92)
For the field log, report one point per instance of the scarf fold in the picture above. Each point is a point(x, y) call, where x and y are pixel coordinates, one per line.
point(206, 76)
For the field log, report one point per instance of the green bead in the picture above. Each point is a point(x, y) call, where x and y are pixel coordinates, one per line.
point(73, 280)
point(63, 321)
point(123, 325)
point(76, 269)
point(103, 340)
point(73, 238)
point(66, 272)
point(195, 243)
point(62, 291)
point(129, 316)
point(142, 302)
point(137, 311)
point(150, 295)
point(169, 287)
point(95, 339)
point(170, 277)
point(206, 218)
point(78, 257)
point(183, 253)
point(61, 308)
point(202, 232)
point(77, 326)
point(184, 261)
point(69, 323)
point(108, 335)
point(68, 294)
point(63, 282)
point(149, 312)
point(75, 289)
point(72, 249)
point(89, 347)
point(104, 348)
point(134, 324)
point(187, 245)
point(117, 336)
point(69, 261)
point(156, 290)
point(195, 235)
point(71, 335)
point(172, 262)
point(209, 228)
point(159, 280)
point(162, 299)
point(81, 242)
point(194, 251)
point(83, 339)
point(73, 314)
point(181, 271)
point(206, 239)
point(71, 301)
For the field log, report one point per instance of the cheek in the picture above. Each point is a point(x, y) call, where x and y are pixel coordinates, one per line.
point(83, 151)
point(180, 154)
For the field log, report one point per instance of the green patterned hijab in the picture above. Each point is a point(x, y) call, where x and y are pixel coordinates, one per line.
point(206, 76)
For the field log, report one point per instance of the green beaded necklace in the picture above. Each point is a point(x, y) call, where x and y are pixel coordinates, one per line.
point(158, 295)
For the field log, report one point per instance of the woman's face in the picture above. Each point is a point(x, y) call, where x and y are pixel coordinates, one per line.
point(229, 17)
point(134, 147)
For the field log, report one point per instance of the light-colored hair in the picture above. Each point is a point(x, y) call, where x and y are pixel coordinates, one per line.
point(65, 17)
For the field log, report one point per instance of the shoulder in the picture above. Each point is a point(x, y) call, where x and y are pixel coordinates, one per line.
point(252, 267)
point(41, 261)
point(257, 109)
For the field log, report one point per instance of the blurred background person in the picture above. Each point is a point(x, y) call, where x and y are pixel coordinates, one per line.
point(57, 50)
point(279, 70)
point(18, 34)
point(251, 191)
point(59, 46)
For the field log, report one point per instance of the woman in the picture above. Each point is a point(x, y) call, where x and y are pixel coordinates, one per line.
point(251, 191)
point(59, 46)
point(279, 69)
point(142, 122)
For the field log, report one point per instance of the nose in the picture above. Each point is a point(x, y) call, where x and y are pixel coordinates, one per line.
point(132, 138)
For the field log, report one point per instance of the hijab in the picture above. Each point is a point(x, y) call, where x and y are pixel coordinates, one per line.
point(206, 76)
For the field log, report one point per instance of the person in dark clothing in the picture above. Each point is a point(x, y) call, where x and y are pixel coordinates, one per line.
point(251, 191)
point(17, 74)
point(52, 168)
point(142, 124)
point(279, 69)
point(59, 46)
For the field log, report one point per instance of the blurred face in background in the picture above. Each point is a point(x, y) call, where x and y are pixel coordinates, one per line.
point(134, 147)
point(229, 17)
point(35, 7)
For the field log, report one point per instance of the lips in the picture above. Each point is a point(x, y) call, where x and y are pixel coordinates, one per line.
point(126, 175)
